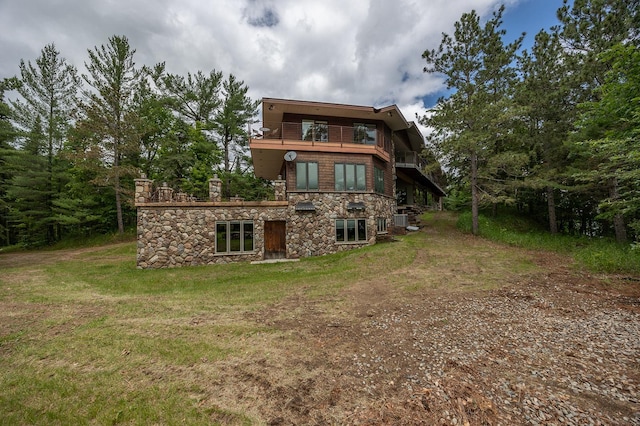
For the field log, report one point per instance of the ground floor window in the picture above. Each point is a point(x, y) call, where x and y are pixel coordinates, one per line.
point(382, 225)
point(351, 230)
point(234, 236)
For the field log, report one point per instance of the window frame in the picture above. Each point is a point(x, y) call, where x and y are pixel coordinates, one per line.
point(359, 184)
point(382, 226)
point(306, 186)
point(244, 227)
point(378, 180)
point(350, 230)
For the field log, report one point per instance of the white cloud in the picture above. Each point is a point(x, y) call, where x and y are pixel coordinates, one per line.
point(360, 52)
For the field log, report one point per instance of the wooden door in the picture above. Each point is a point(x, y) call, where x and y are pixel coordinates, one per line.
point(275, 239)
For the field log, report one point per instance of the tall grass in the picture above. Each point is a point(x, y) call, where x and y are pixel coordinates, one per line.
point(595, 254)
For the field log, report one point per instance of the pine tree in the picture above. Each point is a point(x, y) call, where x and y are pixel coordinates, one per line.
point(609, 129)
point(231, 122)
point(7, 153)
point(108, 115)
point(549, 112)
point(468, 124)
point(589, 28)
point(43, 112)
point(189, 154)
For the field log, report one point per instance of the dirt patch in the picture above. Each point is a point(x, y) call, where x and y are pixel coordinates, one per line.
point(44, 257)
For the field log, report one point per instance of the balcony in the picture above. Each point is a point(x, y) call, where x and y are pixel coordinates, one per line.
point(413, 166)
point(275, 139)
point(322, 133)
point(410, 159)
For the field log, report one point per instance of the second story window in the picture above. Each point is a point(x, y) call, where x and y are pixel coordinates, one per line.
point(364, 133)
point(350, 177)
point(315, 131)
point(306, 176)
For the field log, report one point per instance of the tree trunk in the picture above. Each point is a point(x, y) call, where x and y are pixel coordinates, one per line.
point(618, 220)
point(475, 227)
point(227, 167)
point(118, 204)
point(116, 186)
point(551, 206)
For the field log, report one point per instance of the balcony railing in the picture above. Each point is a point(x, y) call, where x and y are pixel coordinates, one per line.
point(321, 132)
point(410, 158)
point(413, 159)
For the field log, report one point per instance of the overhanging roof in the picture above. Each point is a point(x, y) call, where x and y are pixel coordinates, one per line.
point(273, 110)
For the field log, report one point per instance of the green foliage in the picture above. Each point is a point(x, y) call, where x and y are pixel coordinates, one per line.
point(7, 151)
point(110, 118)
point(595, 254)
point(43, 113)
point(231, 122)
point(610, 132)
point(468, 125)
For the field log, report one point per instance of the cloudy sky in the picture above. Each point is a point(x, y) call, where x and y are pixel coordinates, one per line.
point(365, 52)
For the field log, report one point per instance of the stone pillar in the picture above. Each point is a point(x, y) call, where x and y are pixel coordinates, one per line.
point(280, 189)
point(144, 188)
point(165, 193)
point(215, 189)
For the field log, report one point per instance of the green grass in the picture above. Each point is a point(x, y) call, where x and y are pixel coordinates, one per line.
point(94, 340)
point(594, 254)
point(91, 339)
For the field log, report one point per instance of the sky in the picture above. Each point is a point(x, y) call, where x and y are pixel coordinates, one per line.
point(360, 52)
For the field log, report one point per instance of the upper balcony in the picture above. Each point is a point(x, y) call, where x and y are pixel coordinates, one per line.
point(413, 165)
point(276, 138)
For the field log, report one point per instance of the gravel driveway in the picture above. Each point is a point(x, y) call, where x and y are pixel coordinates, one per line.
point(552, 346)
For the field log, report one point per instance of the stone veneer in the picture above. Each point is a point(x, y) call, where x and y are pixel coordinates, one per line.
point(175, 233)
point(181, 235)
point(312, 233)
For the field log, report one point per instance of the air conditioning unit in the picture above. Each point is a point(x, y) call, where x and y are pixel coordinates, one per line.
point(401, 220)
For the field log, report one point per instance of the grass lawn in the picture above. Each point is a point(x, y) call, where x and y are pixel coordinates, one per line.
point(91, 339)
point(86, 338)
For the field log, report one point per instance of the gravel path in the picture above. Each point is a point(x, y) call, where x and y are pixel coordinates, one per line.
point(552, 348)
point(531, 355)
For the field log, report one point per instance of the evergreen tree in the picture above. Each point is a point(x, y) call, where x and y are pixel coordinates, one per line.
point(231, 123)
point(109, 116)
point(468, 124)
point(7, 153)
point(189, 153)
point(588, 29)
point(43, 112)
point(549, 112)
point(610, 132)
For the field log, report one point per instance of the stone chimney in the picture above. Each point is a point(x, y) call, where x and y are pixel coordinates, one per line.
point(215, 189)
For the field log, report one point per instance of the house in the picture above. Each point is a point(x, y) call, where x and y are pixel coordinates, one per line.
point(343, 175)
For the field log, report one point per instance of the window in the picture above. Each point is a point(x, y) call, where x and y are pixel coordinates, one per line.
point(378, 180)
point(315, 131)
point(350, 177)
point(234, 236)
point(306, 176)
point(381, 225)
point(351, 230)
point(364, 133)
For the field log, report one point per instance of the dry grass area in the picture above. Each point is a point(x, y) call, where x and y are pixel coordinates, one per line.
point(437, 328)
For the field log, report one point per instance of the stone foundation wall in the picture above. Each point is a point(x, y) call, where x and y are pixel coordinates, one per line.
point(172, 234)
point(312, 233)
